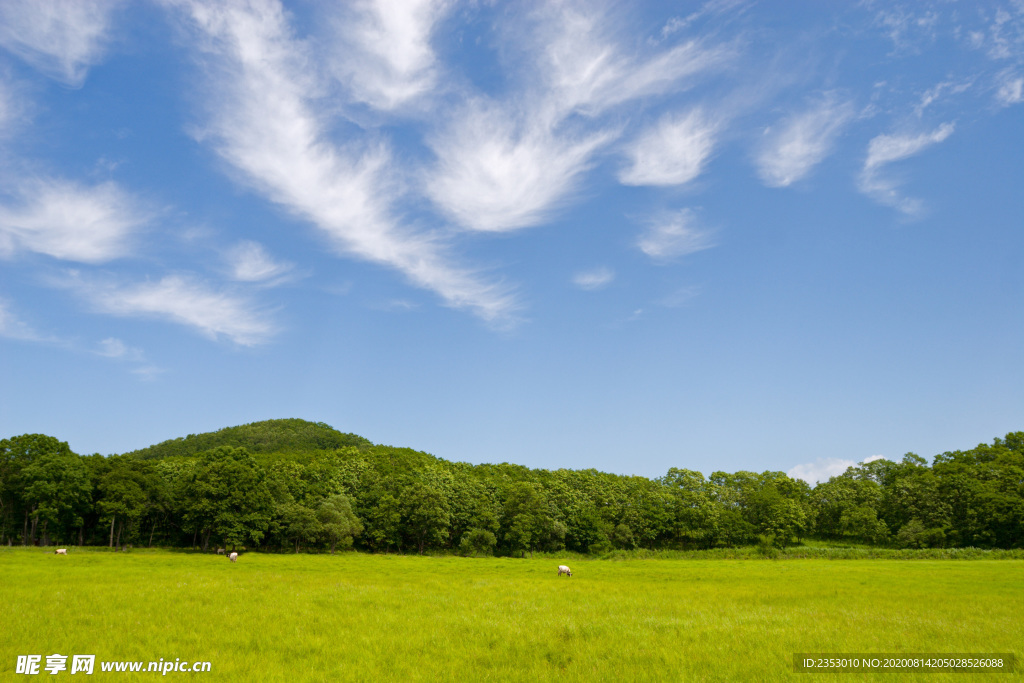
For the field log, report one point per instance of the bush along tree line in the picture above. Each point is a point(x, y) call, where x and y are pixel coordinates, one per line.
point(295, 485)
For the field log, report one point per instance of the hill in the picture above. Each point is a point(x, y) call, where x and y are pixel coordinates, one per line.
point(268, 436)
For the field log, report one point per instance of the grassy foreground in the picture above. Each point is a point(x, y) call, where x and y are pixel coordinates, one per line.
point(370, 617)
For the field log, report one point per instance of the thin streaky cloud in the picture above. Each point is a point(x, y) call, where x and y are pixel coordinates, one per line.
point(12, 327)
point(713, 7)
point(384, 53)
point(181, 299)
point(886, 149)
point(673, 152)
point(1010, 88)
point(1003, 38)
point(61, 38)
point(680, 297)
point(495, 173)
point(671, 235)
point(802, 141)
point(10, 106)
point(939, 92)
point(250, 262)
point(504, 164)
point(112, 347)
point(584, 69)
point(70, 221)
point(593, 279)
point(264, 123)
point(148, 373)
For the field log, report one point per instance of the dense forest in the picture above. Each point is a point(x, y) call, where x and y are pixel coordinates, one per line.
point(296, 485)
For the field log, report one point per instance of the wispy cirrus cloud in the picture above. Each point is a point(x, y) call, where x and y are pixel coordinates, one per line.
point(250, 262)
point(674, 234)
point(584, 68)
point(673, 152)
point(13, 327)
point(264, 122)
point(112, 347)
point(908, 29)
point(886, 149)
point(1010, 87)
point(384, 53)
point(1003, 36)
point(70, 221)
point(61, 38)
point(10, 106)
point(498, 172)
point(116, 350)
point(593, 279)
point(508, 163)
point(181, 299)
point(802, 141)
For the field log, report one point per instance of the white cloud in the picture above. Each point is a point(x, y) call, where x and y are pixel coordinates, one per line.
point(148, 373)
point(9, 106)
point(69, 221)
point(250, 262)
point(1011, 88)
point(906, 29)
point(823, 469)
point(675, 234)
point(507, 164)
point(680, 297)
point(585, 70)
point(884, 150)
point(939, 91)
point(14, 328)
point(671, 153)
point(712, 7)
point(384, 52)
point(61, 38)
point(112, 347)
point(802, 141)
point(180, 299)
point(264, 123)
point(497, 174)
point(1004, 37)
point(596, 278)
point(820, 470)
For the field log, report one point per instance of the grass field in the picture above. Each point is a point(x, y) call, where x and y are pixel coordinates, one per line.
point(372, 617)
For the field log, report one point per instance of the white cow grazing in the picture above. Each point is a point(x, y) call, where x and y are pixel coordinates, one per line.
point(562, 569)
point(60, 551)
point(233, 557)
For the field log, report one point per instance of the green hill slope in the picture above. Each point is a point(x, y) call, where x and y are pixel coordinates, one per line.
point(269, 436)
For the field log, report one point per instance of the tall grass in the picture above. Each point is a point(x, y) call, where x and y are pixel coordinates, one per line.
point(369, 617)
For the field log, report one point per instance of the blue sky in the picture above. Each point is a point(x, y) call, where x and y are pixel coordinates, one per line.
point(717, 235)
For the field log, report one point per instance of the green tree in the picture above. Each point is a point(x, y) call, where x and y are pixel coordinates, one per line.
point(55, 486)
point(478, 542)
point(301, 525)
point(226, 497)
point(338, 522)
point(528, 520)
point(426, 514)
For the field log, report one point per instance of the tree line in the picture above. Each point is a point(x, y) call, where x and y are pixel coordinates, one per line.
point(290, 484)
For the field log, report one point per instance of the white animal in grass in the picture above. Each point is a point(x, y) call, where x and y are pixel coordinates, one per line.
point(562, 569)
point(233, 557)
point(60, 551)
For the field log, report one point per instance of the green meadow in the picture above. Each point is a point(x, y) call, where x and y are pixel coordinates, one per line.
point(350, 616)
